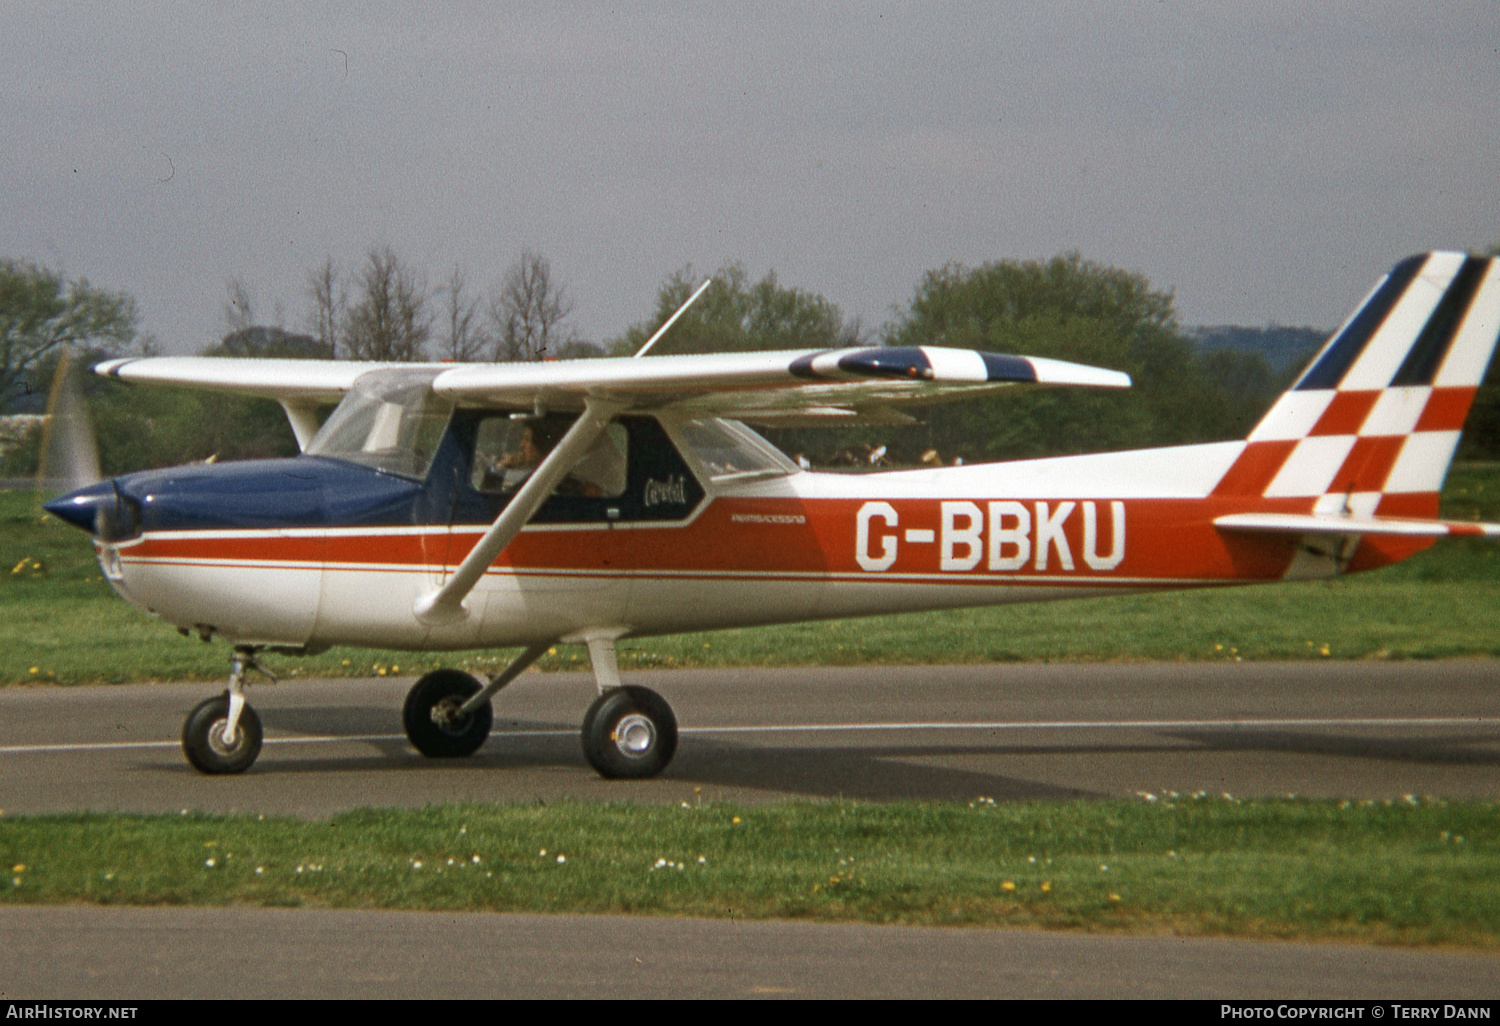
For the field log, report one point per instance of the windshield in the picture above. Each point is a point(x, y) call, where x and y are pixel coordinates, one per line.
point(728, 449)
point(390, 420)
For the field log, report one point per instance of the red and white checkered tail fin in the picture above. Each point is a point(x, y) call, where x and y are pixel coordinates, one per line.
point(1374, 420)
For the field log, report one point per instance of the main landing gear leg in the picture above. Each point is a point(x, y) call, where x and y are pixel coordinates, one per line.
point(629, 732)
point(223, 734)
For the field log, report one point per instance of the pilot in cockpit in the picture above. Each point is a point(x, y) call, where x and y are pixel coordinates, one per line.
point(535, 443)
point(509, 450)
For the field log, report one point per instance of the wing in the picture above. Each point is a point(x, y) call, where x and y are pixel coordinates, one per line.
point(801, 385)
point(839, 385)
point(846, 384)
point(300, 386)
point(318, 381)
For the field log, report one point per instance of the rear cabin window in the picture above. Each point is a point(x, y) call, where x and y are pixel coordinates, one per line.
point(728, 450)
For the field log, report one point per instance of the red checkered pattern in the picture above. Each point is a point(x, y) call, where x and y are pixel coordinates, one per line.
point(1367, 442)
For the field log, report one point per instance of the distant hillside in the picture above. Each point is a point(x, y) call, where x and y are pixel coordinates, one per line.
point(1285, 350)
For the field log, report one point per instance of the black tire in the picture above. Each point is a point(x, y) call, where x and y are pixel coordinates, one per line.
point(453, 737)
point(629, 733)
point(203, 737)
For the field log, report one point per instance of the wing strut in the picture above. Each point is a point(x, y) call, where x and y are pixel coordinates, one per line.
point(303, 416)
point(446, 604)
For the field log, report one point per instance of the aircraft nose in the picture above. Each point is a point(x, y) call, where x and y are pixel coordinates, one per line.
point(99, 509)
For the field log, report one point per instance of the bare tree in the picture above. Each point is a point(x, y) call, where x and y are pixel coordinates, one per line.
point(529, 311)
point(330, 303)
point(466, 340)
point(389, 320)
point(239, 312)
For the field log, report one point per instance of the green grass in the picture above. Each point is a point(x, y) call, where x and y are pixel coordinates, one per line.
point(61, 623)
point(1409, 872)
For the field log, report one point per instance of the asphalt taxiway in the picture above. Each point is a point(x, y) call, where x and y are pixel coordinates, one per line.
point(1006, 732)
point(1355, 730)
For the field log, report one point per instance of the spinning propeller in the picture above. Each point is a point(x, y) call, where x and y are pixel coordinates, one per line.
point(69, 460)
point(69, 454)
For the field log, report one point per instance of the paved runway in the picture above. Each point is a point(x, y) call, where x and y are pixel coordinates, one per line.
point(875, 734)
point(1359, 730)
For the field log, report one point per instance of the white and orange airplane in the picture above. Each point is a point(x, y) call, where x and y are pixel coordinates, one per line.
point(447, 507)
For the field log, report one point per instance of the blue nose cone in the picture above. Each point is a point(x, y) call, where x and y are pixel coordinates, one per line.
point(99, 509)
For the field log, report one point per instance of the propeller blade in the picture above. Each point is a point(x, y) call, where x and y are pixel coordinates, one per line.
point(70, 450)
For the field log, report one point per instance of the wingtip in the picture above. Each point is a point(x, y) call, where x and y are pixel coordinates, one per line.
point(111, 368)
point(1062, 372)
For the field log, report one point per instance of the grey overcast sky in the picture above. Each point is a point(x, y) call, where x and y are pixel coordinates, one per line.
point(1265, 160)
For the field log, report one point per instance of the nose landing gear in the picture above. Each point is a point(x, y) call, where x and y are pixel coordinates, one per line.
point(223, 734)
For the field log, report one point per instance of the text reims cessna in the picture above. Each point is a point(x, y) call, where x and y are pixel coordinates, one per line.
point(446, 507)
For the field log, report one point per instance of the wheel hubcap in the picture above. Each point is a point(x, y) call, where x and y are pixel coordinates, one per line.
point(218, 742)
point(635, 735)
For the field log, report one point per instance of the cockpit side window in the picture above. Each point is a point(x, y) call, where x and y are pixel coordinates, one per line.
point(507, 450)
point(632, 474)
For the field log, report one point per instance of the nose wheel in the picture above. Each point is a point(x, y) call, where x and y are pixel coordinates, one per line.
point(209, 744)
point(223, 734)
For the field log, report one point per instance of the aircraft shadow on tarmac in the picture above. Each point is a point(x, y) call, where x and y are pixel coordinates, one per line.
point(882, 773)
point(886, 772)
point(1476, 749)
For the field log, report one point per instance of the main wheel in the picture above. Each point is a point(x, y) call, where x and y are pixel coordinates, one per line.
point(432, 719)
point(203, 737)
point(630, 733)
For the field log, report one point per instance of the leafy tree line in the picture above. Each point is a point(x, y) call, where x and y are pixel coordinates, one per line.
point(41, 314)
point(1186, 388)
point(1066, 308)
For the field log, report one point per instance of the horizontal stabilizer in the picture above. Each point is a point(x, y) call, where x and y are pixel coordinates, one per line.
point(1330, 523)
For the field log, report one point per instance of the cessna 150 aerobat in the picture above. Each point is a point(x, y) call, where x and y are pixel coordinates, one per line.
point(447, 507)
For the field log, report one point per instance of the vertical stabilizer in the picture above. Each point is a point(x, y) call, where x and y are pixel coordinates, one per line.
point(1374, 420)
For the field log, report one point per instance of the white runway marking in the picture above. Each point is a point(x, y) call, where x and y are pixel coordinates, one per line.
point(831, 728)
point(1103, 725)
